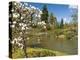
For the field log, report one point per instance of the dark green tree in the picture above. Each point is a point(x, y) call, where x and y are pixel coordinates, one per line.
point(61, 24)
point(44, 15)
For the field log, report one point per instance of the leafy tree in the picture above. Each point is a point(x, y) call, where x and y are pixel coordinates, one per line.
point(44, 15)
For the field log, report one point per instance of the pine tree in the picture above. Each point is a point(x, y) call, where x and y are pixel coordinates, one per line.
point(44, 15)
point(61, 24)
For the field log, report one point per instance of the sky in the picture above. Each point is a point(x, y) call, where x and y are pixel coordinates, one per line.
point(58, 10)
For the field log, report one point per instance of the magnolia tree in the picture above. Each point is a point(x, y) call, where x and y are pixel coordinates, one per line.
point(20, 23)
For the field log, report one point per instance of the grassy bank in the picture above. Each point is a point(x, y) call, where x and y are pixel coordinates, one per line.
point(36, 52)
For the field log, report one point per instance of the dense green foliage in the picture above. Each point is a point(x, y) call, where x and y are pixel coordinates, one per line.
point(44, 15)
point(62, 23)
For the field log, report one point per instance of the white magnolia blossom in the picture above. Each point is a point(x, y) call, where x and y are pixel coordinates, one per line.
point(33, 7)
point(44, 27)
point(24, 25)
point(21, 33)
point(40, 12)
point(15, 15)
point(21, 18)
point(29, 21)
point(28, 38)
point(19, 38)
point(28, 8)
point(12, 10)
point(36, 15)
point(27, 28)
point(23, 28)
point(12, 26)
point(20, 5)
point(17, 41)
point(24, 20)
point(15, 3)
point(20, 24)
point(41, 23)
point(20, 45)
point(13, 42)
point(39, 15)
point(14, 22)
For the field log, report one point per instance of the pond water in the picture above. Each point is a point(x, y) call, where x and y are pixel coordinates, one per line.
point(66, 46)
point(48, 41)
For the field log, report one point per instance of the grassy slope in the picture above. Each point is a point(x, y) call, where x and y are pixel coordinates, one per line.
point(36, 52)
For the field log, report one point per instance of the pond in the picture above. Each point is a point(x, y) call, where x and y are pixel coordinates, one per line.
point(67, 46)
point(48, 40)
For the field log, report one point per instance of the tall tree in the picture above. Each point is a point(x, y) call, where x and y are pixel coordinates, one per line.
point(51, 18)
point(75, 18)
point(44, 15)
point(61, 24)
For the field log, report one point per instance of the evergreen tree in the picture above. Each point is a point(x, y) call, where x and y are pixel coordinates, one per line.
point(61, 24)
point(44, 15)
